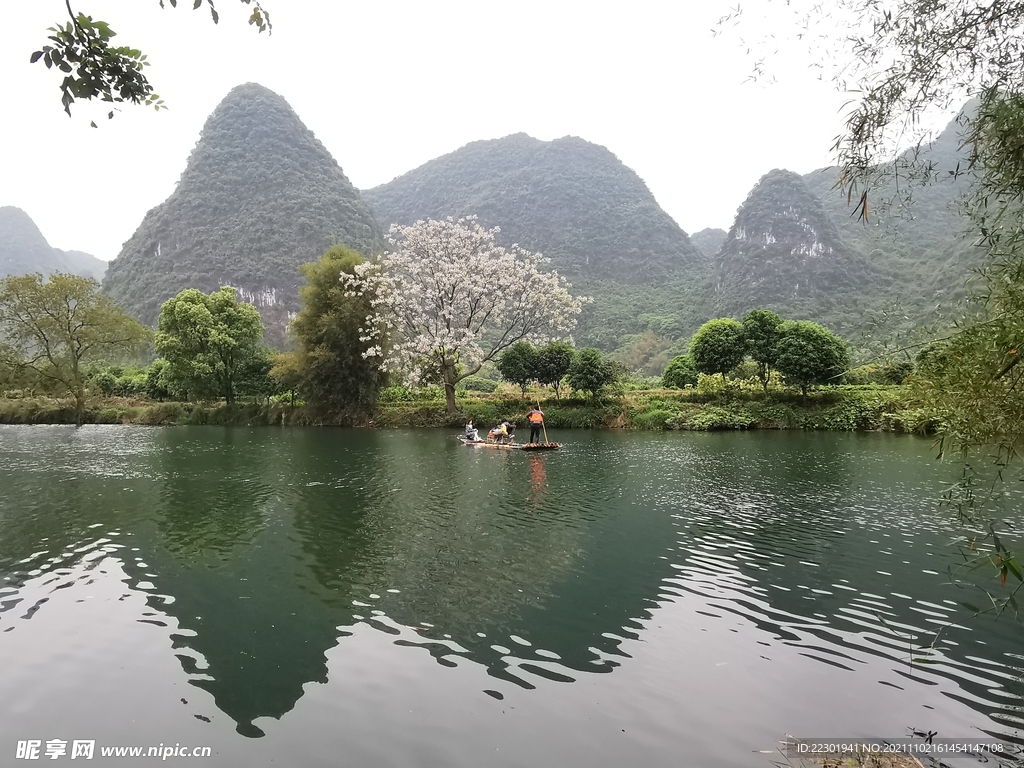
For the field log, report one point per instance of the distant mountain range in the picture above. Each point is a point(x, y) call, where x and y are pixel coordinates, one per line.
point(260, 195)
point(24, 250)
point(794, 246)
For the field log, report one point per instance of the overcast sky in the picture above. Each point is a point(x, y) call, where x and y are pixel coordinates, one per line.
point(387, 86)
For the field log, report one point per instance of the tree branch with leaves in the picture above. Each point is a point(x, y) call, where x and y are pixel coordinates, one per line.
point(94, 68)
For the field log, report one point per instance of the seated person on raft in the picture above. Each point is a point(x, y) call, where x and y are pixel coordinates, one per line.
point(502, 433)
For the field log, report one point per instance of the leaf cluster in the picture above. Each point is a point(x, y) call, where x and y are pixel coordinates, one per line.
point(94, 68)
point(522, 363)
point(328, 367)
point(211, 345)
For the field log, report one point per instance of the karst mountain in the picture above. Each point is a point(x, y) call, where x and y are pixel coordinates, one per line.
point(785, 253)
point(24, 250)
point(572, 200)
point(259, 196)
point(580, 206)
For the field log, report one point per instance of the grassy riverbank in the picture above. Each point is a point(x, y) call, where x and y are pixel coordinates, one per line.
point(845, 408)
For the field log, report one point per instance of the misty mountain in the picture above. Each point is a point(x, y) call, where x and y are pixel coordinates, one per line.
point(24, 250)
point(916, 232)
point(708, 241)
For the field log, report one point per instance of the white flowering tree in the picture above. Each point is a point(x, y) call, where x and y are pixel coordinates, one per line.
point(448, 298)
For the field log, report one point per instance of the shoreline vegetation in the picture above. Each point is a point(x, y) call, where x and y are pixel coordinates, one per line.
point(872, 407)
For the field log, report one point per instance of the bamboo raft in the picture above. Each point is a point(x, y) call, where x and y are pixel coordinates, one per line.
point(513, 446)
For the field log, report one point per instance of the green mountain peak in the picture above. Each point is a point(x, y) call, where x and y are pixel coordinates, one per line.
point(573, 200)
point(259, 196)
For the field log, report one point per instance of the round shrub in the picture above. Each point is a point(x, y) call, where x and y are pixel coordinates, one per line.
point(478, 384)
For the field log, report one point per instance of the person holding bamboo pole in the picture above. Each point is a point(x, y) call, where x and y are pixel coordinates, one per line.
point(536, 419)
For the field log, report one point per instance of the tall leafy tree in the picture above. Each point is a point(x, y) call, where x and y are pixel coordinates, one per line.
point(254, 379)
point(718, 346)
point(761, 335)
point(680, 373)
point(210, 342)
point(96, 69)
point(450, 299)
point(552, 364)
point(330, 369)
point(809, 354)
point(52, 327)
point(518, 364)
point(590, 371)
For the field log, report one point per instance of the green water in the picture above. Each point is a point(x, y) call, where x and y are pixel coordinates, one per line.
point(392, 598)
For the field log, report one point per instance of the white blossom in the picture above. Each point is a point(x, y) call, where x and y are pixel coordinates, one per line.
point(447, 298)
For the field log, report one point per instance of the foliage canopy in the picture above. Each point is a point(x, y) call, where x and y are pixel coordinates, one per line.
point(450, 298)
point(591, 371)
point(332, 372)
point(518, 364)
point(761, 335)
point(680, 373)
point(211, 343)
point(808, 354)
point(718, 346)
point(53, 327)
point(552, 364)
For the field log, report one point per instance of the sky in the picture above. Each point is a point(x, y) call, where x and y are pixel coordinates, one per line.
point(388, 85)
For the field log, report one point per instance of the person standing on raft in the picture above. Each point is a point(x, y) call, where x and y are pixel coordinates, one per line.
point(536, 419)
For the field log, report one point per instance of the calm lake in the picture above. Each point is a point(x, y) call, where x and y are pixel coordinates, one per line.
point(321, 597)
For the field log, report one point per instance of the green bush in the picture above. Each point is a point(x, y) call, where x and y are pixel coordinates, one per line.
point(714, 418)
point(914, 420)
point(399, 394)
point(478, 384)
point(656, 418)
point(774, 416)
point(113, 415)
point(164, 413)
point(844, 417)
point(104, 382)
point(395, 395)
point(680, 373)
point(131, 385)
point(745, 370)
point(863, 374)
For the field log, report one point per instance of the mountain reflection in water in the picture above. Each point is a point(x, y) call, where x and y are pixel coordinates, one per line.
point(262, 550)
